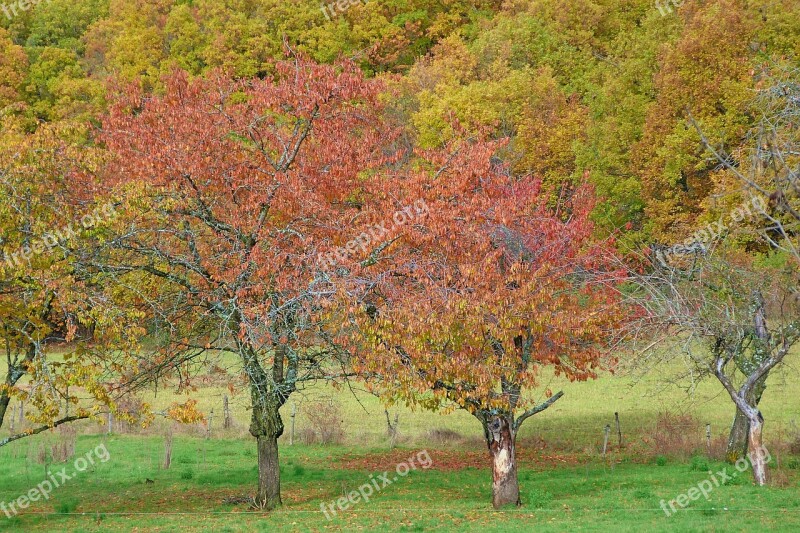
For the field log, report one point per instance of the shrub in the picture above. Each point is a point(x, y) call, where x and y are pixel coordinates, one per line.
point(325, 423)
point(676, 435)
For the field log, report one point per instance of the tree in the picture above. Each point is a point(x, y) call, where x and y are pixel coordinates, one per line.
point(234, 188)
point(486, 286)
point(771, 182)
point(771, 147)
point(735, 320)
point(708, 72)
point(13, 64)
point(64, 338)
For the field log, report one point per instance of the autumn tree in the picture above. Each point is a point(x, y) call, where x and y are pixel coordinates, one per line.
point(764, 166)
point(13, 64)
point(762, 170)
point(480, 293)
point(64, 338)
point(234, 188)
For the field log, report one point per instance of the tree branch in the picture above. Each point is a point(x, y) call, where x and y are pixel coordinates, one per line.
point(538, 409)
point(40, 429)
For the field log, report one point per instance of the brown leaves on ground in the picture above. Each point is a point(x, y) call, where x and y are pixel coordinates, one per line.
point(448, 460)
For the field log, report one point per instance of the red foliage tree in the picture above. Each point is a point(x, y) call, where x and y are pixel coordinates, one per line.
point(493, 281)
point(234, 188)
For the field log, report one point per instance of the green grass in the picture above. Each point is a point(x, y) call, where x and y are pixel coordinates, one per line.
point(565, 482)
point(592, 496)
point(576, 419)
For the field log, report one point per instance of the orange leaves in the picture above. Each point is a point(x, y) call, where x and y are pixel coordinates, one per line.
point(492, 284)
point(186, 412)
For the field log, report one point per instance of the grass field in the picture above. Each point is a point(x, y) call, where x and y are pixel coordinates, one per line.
point(453, 495)
point(566, 483)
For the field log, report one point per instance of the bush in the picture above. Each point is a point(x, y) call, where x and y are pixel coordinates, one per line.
point(325, 423)
point(676, 435)
point(444, 436)
point(700, 464)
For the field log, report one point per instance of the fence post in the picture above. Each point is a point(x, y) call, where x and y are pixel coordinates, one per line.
point(293, 415)
point(210, 421)
point(110, 423)
point(226, 413)
point(606, 432)
point(708, 437)
point(619, 430)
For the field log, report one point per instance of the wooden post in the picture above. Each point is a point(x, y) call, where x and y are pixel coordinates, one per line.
point(110, 419)
point(21, 413)
point(606, 432)
point(226, 413)
point(293, 415)
point(619, 430)
point(11, 420)
point(168, 449)
point(392, 428)
point(208, 428)
point(708, 437)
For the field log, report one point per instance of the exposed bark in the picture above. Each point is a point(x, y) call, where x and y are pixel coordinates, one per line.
point(754, 417)
point(501, 439)
point(757, 455)
point(500, 431)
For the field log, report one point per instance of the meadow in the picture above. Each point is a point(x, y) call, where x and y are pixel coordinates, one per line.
point(566, 481)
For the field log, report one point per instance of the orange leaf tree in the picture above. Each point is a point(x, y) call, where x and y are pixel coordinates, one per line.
point(234, 188)
point(498, 280)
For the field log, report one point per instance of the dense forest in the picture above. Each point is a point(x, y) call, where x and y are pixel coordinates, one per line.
point(580, 87)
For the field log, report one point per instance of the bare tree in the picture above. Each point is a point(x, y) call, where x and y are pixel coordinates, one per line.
point(732, 321)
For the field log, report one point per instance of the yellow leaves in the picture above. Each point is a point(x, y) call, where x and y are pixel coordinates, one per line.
point(186, 412)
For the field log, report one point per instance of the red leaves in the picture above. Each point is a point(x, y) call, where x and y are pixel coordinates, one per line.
point(493, 283)
point(251, 179)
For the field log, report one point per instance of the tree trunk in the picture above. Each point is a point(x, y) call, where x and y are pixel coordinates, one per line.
point(266, 426)
point(757, 453)
point(269, 473)
point(740, 430)
point(738, 438)
point(5, 399)
point(505, 485)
